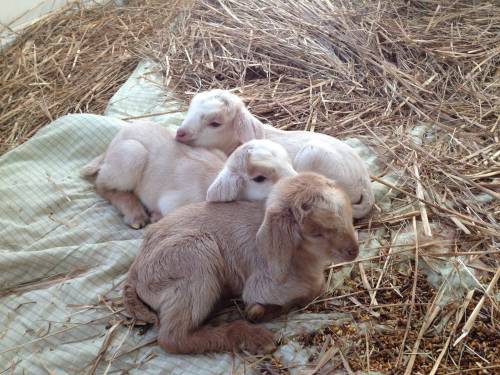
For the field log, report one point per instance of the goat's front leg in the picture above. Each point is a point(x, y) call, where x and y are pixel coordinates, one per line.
point(263, 313)
point(128, 204)
point(265, 299)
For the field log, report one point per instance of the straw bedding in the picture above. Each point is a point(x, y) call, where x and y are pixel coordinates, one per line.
point(416, 80)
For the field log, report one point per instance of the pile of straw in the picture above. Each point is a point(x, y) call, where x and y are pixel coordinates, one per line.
point(360, 68)
point(72, 61)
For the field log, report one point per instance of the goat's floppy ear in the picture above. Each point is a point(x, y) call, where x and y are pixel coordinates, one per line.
point(247, 126)
point(225, 187)
point(277, 238)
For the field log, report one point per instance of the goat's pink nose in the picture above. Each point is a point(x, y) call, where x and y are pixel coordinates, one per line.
point(181, 134)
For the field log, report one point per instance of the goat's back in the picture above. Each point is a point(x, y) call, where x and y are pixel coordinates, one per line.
point(171, 167)
point(294, 140)
point(329, 156)
point(214, 241)
point(234, 223)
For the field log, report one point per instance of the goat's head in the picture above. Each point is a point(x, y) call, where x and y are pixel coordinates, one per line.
point(218, 119)
point(307, 213)
point(250, 172)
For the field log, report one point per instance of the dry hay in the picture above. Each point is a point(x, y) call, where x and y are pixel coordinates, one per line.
point(72, 61)
point(368, 69)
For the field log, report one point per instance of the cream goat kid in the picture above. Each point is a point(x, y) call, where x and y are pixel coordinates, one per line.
point(219, 119)
point(146, 174)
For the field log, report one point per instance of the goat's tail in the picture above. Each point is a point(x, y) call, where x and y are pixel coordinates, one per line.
point(364, 206)
point(92, 168)
point(136, 307)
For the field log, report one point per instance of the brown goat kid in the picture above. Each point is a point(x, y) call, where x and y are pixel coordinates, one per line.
point(272, 255)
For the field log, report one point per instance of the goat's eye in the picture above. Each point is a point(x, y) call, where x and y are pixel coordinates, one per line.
point(214, 124)
point(259, 179)
point(317, 235)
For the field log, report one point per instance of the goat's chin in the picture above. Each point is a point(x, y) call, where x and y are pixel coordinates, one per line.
point(185, 141)
point(339, 257)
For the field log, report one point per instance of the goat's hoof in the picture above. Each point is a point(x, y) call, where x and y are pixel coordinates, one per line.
point(261, 341)
point(138, 225)
point(137, 221)
point(255, 312)
point(263, 313)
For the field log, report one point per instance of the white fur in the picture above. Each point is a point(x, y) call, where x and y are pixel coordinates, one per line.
point(258, 157)
point(309, 151)
point(163, 174)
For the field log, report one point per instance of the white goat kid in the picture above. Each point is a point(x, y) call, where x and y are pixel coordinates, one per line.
point(219, 119)
point(250, 172)
point(146, 174)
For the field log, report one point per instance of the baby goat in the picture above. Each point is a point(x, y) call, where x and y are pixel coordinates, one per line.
point(145, 166)
point(219, 119)
point(273, 255)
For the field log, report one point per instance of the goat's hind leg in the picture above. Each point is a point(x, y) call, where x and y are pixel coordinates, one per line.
point(187, 305)
point(227, 337)
point(129, 205)
point(119, 175)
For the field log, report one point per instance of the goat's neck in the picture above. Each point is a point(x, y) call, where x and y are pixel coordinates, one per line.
point(308, 267)
point(230, 147)
point(291, 143)
point(262, 133)
point(270, 131)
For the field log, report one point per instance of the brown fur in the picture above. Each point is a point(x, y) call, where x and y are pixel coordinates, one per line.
point(272, 255)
